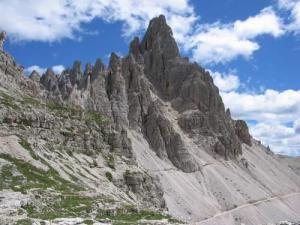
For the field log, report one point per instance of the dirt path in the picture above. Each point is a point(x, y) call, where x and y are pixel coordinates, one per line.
point(245, 206)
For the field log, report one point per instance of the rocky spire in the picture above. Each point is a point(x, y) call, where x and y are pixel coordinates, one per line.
point(159, 37)
point(75, 73)
point(88, 69)
point(2, 39)
point(98, 68)
point(116, 91)
point(35, 76)
point(242, 131)
point(50, 81)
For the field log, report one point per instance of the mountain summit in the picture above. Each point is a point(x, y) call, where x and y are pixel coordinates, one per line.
point(145, 139)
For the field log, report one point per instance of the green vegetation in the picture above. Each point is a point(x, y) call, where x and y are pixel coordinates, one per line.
point(133, 217)
point(24, 143)
point(8, 101)
point(94, 164)
point(69, 152)
point(25, 122)
point(62, 206)
point(127, 173)
point(110, 160)
point(88, 222)
point(7, 180)
point(66, 134)
point(64, 111)
point(24, 222)
point(30, 101)
point(109, 176)
point(95, 117)
point(33, 177)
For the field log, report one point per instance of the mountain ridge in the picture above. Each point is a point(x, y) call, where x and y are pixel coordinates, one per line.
point(150, 130)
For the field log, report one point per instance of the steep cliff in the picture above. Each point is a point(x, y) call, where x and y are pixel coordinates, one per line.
point(147, 136)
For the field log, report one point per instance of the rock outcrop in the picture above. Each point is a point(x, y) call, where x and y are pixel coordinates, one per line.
point(35, 76)
point(188, 87)
point(2, 39)
point(242, 131)
point(148, 131)
point(123, 93)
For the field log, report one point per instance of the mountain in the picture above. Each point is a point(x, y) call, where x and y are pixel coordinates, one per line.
point(144, 140)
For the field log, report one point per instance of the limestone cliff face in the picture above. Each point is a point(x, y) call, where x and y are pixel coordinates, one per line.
point(148, 131)
point(122, 92)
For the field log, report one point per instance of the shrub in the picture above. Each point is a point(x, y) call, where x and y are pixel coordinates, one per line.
point(109, 176)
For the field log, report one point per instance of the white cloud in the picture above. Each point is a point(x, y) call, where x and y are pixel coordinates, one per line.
point(281, 138)
point(296, 126)
point(52, 20)
point(276, 115)
point(57, 69)
point(270, 106)
point(293, 6)
point(220, 43)
point(38, 69)
point(225, 82)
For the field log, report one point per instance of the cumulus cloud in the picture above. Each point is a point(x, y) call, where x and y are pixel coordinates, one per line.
point(270, 106)
point(57, 69)
point(296, 126)
point(273, 116)
point(225, 82)
point(276, 117)
point(38, 69)
point(275, 113)
point(281, 138)
point(293, 6)
point(220, 43)
point(52, 20)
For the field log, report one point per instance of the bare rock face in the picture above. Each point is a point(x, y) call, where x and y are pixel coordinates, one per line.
point(76, 73)
point(98, 69)
point(165, 141)
point(123, 93)
point(50, 81)
point(137, 182)
point(64, 83)
point(242, 131)
point(188, 87)
point(116, 90)
point(2, 39)
point(35, 76)
point(138, 90)
point(160, 51)
point(101, 128)
point(9, 66)
point(98, 100)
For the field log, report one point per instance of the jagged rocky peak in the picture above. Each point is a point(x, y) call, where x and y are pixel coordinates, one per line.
point(76, 73)
point(242, 131)
point(2, 39)
point(159, 37)
point(35, 76)
point(98, 69)
point(50, 80)
point(122, 91)
point(88, 70)
point(114, 60)
point(188, 87)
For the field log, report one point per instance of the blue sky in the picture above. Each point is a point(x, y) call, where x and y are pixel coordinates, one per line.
point(251, 47)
